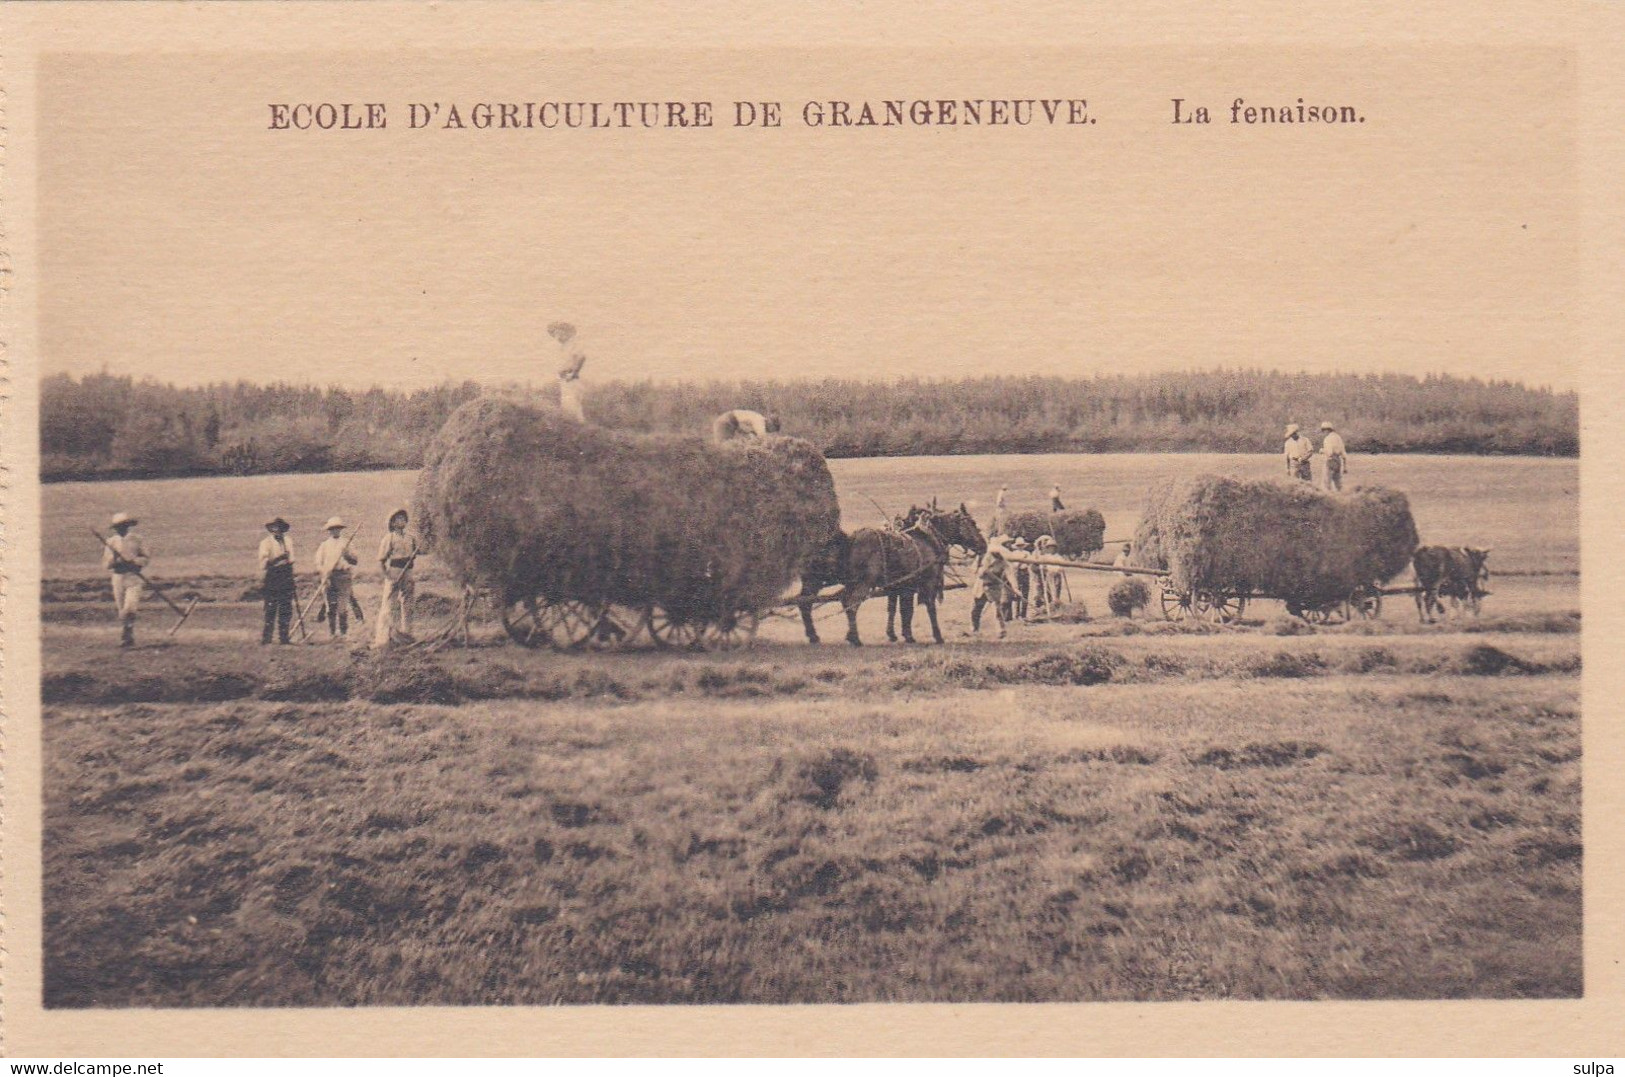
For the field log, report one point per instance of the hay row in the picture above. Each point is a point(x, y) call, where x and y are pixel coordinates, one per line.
point(1287, 540)
point(1077, 532)
point(518, 500)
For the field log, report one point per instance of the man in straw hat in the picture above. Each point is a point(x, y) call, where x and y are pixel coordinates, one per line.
point(397, 554)
point(1299, 450)
point(335, 562)
point(1016, 604)
point(1336, 454)
point(570, 372)
point(992, 585)
point(276, 569)
point(1046, 577)
point(125, 555)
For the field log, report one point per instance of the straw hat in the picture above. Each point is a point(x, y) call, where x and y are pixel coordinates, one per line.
point(332, 523)
point(1326, 426)
point(123, 519)
point(1292, 428)
point(276, 522)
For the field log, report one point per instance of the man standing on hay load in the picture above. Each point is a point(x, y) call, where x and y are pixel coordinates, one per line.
point(1337, 456)
point(742, 423)
point(570, 373)
point(124, 556)
point(277, 586)
point(1299, 451)
point(397, 554)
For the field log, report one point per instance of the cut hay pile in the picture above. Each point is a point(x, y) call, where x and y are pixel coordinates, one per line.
point(1286, 540)
point(1127, 596)
point(1077, 532)
point(524, 502)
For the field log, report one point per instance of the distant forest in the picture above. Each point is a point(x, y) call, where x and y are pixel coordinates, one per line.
point(103, 426)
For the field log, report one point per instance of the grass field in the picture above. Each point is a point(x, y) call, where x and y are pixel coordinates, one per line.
point(1105, 809)
point(1526, 508)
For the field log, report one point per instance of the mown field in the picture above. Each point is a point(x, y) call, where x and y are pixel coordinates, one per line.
point(1096, 809)
point(1229, 815)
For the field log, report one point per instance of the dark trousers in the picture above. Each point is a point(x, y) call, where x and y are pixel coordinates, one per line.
point(279, 594)
point(1302, 469)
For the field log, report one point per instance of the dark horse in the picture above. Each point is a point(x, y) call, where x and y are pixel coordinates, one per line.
point(906, 563)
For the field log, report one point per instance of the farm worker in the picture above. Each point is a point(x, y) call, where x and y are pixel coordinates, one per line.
point(125, 555)
point(1299, 449)
point(570, 388)
point(1055, 499)
point(1024, 582)
point(1124, 558)
point(335, 561)
point(396, 555)
point(740, 423)
point(992, 584)
point(276, 566)
point(570, 372)
point(1337, 456)
point(1044, 575)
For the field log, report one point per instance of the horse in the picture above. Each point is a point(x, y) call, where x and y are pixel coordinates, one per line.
point(960, 529)
point(906, 562)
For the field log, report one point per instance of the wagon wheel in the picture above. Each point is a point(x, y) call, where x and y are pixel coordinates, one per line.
point(1336, 613)
point(732, 632)
point(1219, 607)
point(1176, 605)
point(668, 632)
point(1365, 604)
point(536, 622)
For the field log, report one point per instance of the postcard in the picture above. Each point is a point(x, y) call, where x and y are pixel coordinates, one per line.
point(542, 529)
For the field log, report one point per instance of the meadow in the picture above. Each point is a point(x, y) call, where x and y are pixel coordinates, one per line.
point(1527, 508)
point(1094, 808)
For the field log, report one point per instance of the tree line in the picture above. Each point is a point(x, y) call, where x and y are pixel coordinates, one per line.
point(106, 426)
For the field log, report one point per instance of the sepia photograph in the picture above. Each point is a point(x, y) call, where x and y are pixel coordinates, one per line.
point(684, 526)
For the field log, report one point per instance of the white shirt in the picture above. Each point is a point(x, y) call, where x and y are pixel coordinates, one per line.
point(333, 556)
point(129, 546)
point(1332, 444)
point(570, 397)
point(1299, 448)
point(396, 546)
point(272, 547)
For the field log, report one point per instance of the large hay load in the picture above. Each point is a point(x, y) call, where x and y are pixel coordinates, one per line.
point(1077, 532)
point(551, 513)
point(1289, 541)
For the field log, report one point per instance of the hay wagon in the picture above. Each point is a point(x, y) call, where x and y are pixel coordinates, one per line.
point(1222, 605)
point(586, 537)
point(1215, 543)
point(711, 622)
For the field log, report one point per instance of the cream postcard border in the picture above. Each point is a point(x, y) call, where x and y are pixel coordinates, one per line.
point(1590, 1027)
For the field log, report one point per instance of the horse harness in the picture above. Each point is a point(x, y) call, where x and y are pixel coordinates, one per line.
point(922, 528)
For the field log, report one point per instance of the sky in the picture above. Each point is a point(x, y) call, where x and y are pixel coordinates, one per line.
point(184, 240)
